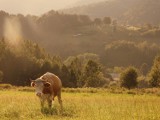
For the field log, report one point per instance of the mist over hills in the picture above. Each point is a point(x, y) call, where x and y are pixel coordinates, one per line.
point(133, 12)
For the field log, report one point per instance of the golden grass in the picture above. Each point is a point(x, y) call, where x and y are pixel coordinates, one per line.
point(21, 105)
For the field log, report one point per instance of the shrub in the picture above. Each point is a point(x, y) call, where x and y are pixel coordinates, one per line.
point(129, 78)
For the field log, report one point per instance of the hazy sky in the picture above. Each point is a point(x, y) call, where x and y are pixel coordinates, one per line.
point(34, 6)
point(38, 7)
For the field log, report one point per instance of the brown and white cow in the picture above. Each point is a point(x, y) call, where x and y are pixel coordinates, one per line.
point(47, 87)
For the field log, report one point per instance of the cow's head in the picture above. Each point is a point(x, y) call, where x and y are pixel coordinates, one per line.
point(39, 85)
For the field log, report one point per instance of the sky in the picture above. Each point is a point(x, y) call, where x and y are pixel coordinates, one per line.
point(35, 7)
point(38, 7)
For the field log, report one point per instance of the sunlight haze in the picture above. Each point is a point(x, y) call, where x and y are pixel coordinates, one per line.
point(38, 7)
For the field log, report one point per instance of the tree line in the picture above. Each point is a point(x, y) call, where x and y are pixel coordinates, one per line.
point(17, 67)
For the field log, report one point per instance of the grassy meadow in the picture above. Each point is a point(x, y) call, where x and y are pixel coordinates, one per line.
point(90, 105)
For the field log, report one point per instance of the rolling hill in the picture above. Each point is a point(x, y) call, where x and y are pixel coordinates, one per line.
point(70, 35)
point(133, 12)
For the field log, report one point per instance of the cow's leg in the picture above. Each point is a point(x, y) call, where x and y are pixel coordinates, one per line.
point(49, 100)
point(42, 103)
point(60, 100)
point(49, 103)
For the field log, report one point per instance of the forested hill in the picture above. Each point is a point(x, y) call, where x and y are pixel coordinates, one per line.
point(133, 12)
point(70, 35)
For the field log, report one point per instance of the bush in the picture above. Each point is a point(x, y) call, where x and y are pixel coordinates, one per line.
point(129, 78)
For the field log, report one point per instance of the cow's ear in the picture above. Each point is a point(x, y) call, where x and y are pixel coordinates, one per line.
point(47, 84)
point(32, 84)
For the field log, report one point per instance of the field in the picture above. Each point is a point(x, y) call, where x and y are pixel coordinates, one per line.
point(102, 105)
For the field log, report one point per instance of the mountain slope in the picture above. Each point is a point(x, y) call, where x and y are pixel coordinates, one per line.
point(125, 11)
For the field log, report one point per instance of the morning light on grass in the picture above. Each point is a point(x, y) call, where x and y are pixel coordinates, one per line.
point(23, 105)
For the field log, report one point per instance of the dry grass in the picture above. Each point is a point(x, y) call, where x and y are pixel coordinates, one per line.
point(102, 105)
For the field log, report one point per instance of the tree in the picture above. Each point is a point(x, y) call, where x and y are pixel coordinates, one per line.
point(154, 74)
point(75, 70)
point(65, 77)
point(107, 20)
point(76, 66)
point(92, 75)
point(129, 78)
point(97, 21)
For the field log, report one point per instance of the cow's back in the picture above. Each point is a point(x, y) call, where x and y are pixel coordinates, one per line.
point(55, 82)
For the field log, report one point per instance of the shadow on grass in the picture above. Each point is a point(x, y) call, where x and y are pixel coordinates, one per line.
point(66, 112)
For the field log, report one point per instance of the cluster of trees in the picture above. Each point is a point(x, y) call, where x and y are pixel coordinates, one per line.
point(28, 60)
point(129, 77)
point(125, 53)
point(19, 64)
point(86, 70)
point(105, 20)
point(51, 22)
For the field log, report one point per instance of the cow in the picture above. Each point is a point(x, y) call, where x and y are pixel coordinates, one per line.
point(47, 87)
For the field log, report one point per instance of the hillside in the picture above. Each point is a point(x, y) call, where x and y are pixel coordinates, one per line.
point(70, 35)
point(125, 11)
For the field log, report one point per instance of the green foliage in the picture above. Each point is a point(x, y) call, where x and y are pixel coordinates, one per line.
point(125, 53)
point(129, 78)
point(92, 75)
point(29, 62)
point(154, 74)
point(75, 69)
point(85, 71)
point(76, 66)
